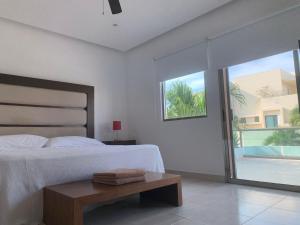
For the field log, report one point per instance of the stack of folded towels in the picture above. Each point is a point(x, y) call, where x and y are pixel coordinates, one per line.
point(120, 176)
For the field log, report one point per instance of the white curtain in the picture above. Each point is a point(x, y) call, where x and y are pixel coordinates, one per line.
point(184, 62)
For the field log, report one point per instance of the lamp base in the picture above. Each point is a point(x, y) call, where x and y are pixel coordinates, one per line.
point(116, 135)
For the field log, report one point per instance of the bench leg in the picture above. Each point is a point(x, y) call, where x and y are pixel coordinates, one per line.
point(171, 194)
point(59, 210)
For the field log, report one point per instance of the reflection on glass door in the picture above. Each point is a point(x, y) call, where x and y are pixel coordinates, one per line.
point(265, 119)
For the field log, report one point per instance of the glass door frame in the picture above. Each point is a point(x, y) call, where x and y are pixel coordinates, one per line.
point(227, 116)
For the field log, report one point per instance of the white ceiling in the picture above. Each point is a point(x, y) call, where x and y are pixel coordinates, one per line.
point(140, 21)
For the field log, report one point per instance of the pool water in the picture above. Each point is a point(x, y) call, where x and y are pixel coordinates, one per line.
point(281, 152)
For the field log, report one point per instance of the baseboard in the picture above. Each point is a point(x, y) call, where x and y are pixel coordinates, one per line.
point(200, 176)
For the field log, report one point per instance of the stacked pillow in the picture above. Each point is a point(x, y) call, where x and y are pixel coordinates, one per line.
point(35, 141)
point(22, 141)
point(72, 141)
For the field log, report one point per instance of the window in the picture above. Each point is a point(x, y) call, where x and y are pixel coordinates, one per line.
point(243, 120)
point(249, 120)
point(271, 121)
point(263, 91)
point(184, 97)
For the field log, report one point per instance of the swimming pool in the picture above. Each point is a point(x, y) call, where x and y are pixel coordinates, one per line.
point(277, 152)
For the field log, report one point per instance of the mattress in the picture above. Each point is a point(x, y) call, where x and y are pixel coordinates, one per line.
point(25, 172)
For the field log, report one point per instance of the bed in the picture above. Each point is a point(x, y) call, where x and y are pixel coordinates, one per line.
point(51, 109)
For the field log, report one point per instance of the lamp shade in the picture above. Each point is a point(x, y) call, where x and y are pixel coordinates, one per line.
point(117, 125)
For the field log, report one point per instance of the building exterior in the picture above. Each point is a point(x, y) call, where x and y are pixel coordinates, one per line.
point(269, 99)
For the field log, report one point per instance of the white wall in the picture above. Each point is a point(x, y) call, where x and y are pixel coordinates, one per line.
point(197, 145)
point(31, 52)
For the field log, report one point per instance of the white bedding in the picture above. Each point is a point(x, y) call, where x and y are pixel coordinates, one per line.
point(24, 173)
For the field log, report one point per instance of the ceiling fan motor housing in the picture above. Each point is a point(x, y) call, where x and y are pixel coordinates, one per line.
point(115, 6)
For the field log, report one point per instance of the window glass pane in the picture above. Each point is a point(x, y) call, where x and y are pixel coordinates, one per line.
point(271, 121)
point(243, 120)
point(266, 145)
point(184, 97)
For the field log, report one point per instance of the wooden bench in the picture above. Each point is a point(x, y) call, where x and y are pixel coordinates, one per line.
point(63, 204)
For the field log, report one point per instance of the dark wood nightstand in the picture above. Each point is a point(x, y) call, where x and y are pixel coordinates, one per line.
point(124, 142)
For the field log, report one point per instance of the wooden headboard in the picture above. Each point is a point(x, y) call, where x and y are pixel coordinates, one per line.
point(45, 107)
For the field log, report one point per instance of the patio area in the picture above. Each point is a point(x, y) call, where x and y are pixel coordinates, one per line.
point(275, 162)
point(284, 171)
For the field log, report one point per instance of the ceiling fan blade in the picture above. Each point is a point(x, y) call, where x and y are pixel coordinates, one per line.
point(115, 6)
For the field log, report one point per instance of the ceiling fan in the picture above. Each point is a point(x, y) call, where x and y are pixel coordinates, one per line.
point(115, 6)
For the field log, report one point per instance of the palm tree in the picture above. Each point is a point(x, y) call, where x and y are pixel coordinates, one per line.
point(283, 138)
point(235, 133)
point(286, 137)
point(236, 94)
point(181, 102)
point(200, 102)
point(295, 117)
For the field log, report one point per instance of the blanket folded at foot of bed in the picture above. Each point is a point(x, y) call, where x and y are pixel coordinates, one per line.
point(119, 181)
point(120, 173)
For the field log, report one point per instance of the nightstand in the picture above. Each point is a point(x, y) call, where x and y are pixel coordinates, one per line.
point(124, 142)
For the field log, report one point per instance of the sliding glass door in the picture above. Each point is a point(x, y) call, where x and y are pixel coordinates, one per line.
point(263, 120)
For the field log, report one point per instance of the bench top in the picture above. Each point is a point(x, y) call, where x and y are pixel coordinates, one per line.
point(88, 191)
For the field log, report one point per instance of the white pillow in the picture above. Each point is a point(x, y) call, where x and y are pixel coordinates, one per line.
point(72, 141)
point(23, 141)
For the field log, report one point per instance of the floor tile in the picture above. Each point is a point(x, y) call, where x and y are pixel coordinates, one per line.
point(211, 214)
point(241, 208)
point(290, 203)
point(255, 221)
point(205, 203)
point(188, 222)
point(277, 217)
point(157, 219)
point(260, 198)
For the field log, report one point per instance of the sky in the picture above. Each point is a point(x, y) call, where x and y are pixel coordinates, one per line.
point(284, 61)
point(195, 81)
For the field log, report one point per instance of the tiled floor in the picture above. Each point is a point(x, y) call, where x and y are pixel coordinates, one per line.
point(206, 203)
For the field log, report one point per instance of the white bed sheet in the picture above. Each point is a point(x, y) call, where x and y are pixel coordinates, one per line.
point(25, 172)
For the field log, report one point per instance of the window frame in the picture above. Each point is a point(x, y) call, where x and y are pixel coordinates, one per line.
point(163, 102)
